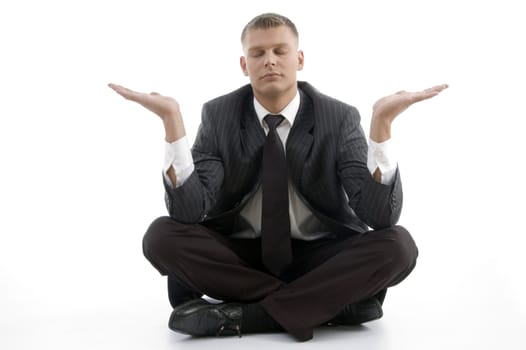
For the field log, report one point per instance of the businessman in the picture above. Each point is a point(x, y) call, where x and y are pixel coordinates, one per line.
point(282, 209)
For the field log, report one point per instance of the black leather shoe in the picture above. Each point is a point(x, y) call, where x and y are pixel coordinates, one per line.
point(358, 313)
point(200, 318)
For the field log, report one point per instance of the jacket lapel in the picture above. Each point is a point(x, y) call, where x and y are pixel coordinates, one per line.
point(299, 141)
point(252, 136)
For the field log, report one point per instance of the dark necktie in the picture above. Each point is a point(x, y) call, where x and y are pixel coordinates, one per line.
point(275, 222)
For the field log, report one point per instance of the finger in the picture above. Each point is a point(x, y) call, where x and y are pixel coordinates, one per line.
point(119, 89)
point(116, 88)
point(427, 94)
point(423, 95)
point(127, 93)
point(155, 94)
point(437, 88)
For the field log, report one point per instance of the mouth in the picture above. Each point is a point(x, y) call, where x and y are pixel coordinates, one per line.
point(271, 75)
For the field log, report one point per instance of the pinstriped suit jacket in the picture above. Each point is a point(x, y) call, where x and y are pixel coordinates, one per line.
point(327, 161)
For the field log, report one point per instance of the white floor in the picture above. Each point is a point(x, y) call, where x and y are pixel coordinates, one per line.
point(461, 304)
point(448, 324)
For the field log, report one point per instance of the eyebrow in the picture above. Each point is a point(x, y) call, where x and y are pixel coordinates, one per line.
point(257, 48)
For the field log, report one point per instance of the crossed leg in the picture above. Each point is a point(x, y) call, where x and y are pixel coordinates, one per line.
point(326, 274)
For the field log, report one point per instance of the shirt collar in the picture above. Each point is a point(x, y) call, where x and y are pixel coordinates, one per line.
point(289, 112)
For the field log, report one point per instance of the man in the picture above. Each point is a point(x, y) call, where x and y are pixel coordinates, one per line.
point(270, 211)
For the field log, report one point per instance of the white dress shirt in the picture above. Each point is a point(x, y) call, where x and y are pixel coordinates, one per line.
point(303, 223)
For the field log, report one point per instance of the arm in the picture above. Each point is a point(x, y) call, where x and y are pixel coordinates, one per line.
point(377, 205)
point(165, 107)
point(189, 202)
point(386, 109)
point(174, 130)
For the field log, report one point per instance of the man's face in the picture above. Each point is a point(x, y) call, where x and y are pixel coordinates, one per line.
point(271, 60)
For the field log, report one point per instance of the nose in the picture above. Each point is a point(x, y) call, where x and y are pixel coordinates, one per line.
point(270, 59)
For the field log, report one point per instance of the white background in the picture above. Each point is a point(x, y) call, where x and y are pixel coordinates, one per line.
point(80, 175)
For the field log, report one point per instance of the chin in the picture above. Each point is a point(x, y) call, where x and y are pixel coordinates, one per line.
point(271, 89)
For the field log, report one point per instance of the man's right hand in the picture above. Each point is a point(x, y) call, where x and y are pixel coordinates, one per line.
point(164, 106)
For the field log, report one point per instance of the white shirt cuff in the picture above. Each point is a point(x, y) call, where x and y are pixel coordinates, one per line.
point(380, 156)
point(178, 155)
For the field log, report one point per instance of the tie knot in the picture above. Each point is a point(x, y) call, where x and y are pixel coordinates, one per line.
point(273, 120)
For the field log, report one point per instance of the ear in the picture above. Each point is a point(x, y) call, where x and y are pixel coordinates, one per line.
point(243, 64)
point(301, 60)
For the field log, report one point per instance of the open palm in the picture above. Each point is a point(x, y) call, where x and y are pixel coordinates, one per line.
point(163, 106)
point(388, 107)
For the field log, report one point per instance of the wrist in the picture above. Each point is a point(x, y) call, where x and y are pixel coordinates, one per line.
point(174, 128)
point(171, 117)
point(380, 130)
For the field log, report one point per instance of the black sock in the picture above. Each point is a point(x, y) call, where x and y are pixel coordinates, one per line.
point(256, 320)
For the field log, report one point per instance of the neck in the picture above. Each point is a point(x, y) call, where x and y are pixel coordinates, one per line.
point(276, 103)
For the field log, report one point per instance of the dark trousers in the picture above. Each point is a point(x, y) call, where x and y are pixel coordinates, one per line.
point(326, 274)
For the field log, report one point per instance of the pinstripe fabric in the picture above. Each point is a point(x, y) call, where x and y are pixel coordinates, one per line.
point(326, 156)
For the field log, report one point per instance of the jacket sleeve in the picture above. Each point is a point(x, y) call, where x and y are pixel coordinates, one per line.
point(190, 202)
point(377, 205)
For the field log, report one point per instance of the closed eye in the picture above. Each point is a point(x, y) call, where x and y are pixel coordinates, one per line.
point(258, 53)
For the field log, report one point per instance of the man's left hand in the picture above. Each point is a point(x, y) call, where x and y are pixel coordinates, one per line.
point(386, 109)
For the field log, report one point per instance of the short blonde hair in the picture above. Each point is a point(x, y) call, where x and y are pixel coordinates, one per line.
point(267, 21)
